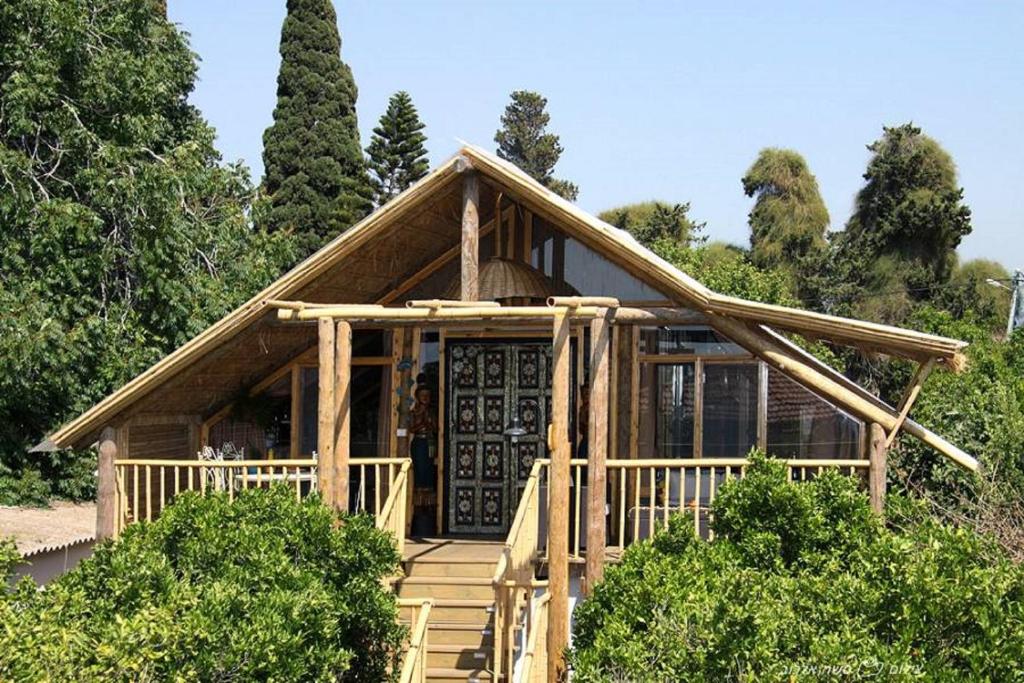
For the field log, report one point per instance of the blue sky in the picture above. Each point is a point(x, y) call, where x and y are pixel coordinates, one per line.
point(667, 100)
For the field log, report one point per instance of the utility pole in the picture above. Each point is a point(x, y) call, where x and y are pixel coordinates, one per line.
point(1016, 303)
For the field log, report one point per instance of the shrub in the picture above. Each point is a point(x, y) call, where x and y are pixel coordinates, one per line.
point(264, 588)
point(802, 582)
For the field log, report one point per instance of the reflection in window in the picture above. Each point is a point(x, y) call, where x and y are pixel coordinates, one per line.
point(258, 425)
point(369, 389)
point(697, 340)
point(671, 419)
point(801, 425)
point(730, 409)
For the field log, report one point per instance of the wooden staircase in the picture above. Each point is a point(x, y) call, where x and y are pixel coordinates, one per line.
point(457, 574)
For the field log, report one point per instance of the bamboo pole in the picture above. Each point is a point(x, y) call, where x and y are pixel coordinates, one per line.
point(343, 413)
point(470, 236)
point(449, 303)
point(597, 447)
point(558, 498)
point(360, 312)
point(909, 396)
point(577, 301)
point(106, 504)
point(326, 412)
point(876, 471)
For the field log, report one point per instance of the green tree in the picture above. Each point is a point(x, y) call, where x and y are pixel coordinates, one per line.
point(652, 221)
point(908, 219)
point(315, 174)
point(397, 155)
point(264, 588)
point(121, 233)
point(523, 139)
point(969, 293)
point(789, 218)
point(803, 582)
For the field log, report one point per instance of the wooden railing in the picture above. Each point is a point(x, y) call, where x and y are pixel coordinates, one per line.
point(534, 663)
point(644, 493)
point(513, 577)
point(392, 515)
point(144, 487)
point(414, 664)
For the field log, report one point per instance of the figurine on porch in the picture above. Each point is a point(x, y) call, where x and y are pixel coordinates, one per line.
point(424, 430)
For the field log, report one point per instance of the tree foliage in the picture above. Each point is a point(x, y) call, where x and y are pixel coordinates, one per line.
point(908, 220)
point(398, 157)
point(315, 174)
point(655, 220)
point(789, 220)
point(523, 139)
point(803, 582)
point(264, 588)
point(121, 234)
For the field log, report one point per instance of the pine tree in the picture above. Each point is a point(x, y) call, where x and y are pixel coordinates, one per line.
point(523, 139)
point(315, 172)
point(789, 219)
point(397, 155)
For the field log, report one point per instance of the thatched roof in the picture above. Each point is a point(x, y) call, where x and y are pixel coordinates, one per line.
point(410, 246)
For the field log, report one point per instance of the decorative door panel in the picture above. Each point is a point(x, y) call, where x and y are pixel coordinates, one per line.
point(491, 383)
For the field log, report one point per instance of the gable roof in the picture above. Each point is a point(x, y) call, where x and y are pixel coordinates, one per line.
point(617, 244)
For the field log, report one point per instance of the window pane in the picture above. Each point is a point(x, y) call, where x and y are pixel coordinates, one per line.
point(259, 426)
point(691, 340)
point(801, 425)
point(730, 409)
point(673, 427)
point(369, 388)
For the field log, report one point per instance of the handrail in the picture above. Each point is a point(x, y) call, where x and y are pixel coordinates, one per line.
point(392, 513)
point(536, 643)
point(414, 665)
point(144, 486)
point(515, 567)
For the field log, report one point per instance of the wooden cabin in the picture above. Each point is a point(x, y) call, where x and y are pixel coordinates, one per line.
point(514, 388)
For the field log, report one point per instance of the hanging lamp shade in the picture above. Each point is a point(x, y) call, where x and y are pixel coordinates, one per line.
point(503, 279)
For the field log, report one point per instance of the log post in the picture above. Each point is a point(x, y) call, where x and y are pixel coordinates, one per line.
point(343, 413)
point(597, 446)
point(876, 470)
point(326, 412)
point(558, 500)
point(471, 236)
point(106, 487)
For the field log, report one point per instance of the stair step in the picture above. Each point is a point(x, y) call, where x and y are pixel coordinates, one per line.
point(447, 580)
point(466, 611)
point(479, 569)
point(467, 657)
point(445, 591)
point(445, 674)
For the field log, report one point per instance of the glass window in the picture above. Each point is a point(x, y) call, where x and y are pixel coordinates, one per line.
point(730, 409)
point(696, 340)
point(801, 425)
point(369, 391)
point(672, 388)
point(260, 426)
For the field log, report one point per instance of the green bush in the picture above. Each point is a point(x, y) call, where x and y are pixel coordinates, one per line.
point(265, 588)
point(803, 583)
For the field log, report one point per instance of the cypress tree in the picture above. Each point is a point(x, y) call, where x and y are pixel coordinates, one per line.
point(397, 155)
point(315, 177)
point(523, 139)
point(789, 219)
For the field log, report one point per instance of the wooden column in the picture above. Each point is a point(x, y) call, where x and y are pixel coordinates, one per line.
point(326, 412)
point(558, 500)
point(106, 488)
point(597, 446)
point(876, 471)
point(343, 413)
point(471, 236)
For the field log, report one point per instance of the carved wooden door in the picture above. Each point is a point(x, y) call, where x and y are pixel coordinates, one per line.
point(489, 383)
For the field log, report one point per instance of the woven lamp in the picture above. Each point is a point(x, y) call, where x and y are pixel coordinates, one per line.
point(511, 282)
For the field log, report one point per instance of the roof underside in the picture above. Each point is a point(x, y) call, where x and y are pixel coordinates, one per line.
point(417, 233)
